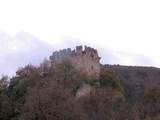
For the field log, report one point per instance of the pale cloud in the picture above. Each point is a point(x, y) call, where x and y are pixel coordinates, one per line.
point(113, 26)
point(134, 59)
point(23, 48)
point(109, 56)
point(19, 50)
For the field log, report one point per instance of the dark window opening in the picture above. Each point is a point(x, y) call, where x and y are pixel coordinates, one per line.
point(92, 67)
point(84, 52)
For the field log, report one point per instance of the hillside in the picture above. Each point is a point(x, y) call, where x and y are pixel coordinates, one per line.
point(73, 85)
point(136, 79)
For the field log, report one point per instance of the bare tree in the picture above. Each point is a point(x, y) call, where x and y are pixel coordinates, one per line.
point(51, 103)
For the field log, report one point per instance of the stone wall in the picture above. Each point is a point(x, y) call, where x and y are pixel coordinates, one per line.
point(85, 60)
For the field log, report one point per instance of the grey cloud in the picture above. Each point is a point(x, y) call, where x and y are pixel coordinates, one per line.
point(19, 50)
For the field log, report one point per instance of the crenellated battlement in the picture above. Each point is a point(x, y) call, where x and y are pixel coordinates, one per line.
point(79, 51)
point(84, 59)
point(61, 54)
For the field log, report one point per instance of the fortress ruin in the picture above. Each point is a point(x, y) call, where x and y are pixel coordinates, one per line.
point(85, 60)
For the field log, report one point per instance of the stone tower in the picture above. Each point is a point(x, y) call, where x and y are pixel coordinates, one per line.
point(85, 60)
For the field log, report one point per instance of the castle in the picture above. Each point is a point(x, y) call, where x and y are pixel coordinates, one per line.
point(85, 60)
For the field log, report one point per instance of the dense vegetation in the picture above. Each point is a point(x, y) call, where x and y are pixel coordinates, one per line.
point(49, 92)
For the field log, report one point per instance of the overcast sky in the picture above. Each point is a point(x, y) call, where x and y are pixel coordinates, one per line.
point(124, 31)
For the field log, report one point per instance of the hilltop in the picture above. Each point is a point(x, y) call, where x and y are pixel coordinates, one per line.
point(73, 84)
point(136, 79)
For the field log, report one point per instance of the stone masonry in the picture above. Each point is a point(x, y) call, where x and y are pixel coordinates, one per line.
point(84, 60)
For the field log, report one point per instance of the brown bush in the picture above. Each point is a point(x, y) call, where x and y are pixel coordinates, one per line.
point(51, 103)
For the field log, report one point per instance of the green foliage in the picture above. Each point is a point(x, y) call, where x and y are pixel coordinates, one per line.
point(109, 80)
point(152, 95)
point(18, 87)
point(49, 92)
point(157, 117)
point(147, 118)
